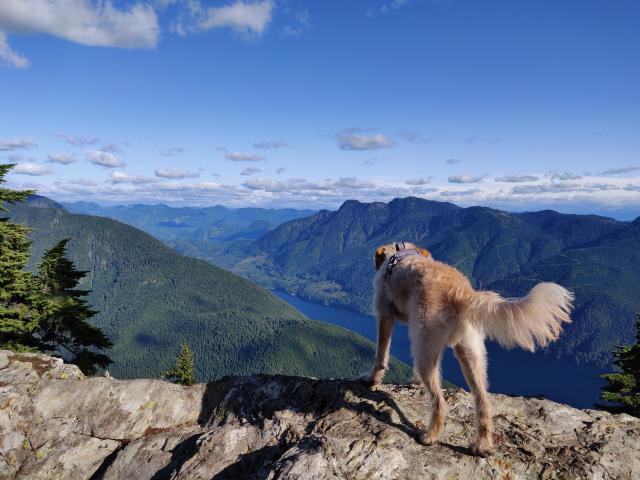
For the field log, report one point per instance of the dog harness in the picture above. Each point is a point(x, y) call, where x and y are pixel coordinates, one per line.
point(401, 252)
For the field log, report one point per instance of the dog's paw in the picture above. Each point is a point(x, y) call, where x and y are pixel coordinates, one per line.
point(423, 436)
point(482, 448)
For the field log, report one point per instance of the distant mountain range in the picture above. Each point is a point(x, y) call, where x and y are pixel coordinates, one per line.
point(151, 298)
point(328, 257)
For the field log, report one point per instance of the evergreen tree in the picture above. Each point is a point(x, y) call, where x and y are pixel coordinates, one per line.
point(18, 316)
point(624, 386)
point(182, 372)
point(64, 326)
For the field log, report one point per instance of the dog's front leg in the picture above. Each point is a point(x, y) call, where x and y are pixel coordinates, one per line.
point(385, 329)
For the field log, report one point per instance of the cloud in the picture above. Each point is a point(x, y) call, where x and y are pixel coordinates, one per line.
point(615, 171)
point(418, 181)
point(564, 176)
point(83, 21)
point(452, 161)
point(516, 178)
point(172, 151)
point(465, 179)
point(16, 144)
point(243, 157)
point(248, 18)
point(301, 22)
point(111, 148)
point(84, 182)
point(270, 144)
point(31, 168)
point(175, 174)
point(78, 141)
point(250, 171)
point(104, 159)
point(280, 170)
point(61, 158)
point(413, 136)
point(121, 177)
point(350, 139)
point(460, 193)
point(9, 56)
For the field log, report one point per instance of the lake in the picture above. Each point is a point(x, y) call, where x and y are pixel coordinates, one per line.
point(513, 372)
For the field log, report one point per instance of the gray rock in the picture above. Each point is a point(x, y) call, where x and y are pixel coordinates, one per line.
point(55, 423)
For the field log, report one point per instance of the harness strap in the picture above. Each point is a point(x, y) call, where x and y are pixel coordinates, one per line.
point(399, 255)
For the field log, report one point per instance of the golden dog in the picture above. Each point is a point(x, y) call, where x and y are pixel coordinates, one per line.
point(442, 308)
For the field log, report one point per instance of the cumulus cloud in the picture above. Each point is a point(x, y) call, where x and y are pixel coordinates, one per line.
point(83, 21)
point(61, 158)
point(172, 151)
point(249, 18)
point(78, 141)
point(250, 171)
point(270, 144)
point(121, 177)
point(452, 161)
point(516, 178)
point(104, 159)
point(16, 144)
point(465, 179)
point(615, 171)
point(354, 139)
point(175, 174)
point(31, 168)
point(243, 157)
point(418, 181)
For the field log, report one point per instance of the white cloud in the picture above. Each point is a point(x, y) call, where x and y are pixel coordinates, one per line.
point(10, 56)
point(104, 159)
point(175, 174)
point(418, 181)
point(172, 151)
point(61, 158)
point(121, 177)
point(517, 178)
point(31, 168)
point(250, 171)
point(615, 171)
point(564, 176)
point(243, 157)
point(249, 18)
point(352, 139)
point(465, 179)
point(270, 144)
point(78, 141)
point(94, 23)
point(16, 144)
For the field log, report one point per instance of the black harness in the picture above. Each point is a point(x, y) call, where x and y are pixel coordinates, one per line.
point(401, 252)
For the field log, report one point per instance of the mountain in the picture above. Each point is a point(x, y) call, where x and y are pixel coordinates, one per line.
point(60, 424)
point(328, 257)
point(151, 298)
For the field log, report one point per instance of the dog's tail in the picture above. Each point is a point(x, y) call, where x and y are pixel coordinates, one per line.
point(528, 321)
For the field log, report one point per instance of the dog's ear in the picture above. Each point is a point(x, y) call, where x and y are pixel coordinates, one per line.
point(380, 257)
point(424, 252)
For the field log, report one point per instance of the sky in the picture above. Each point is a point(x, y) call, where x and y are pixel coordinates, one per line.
point(520, 105)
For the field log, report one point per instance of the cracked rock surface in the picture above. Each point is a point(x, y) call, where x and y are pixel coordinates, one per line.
point(57, 424)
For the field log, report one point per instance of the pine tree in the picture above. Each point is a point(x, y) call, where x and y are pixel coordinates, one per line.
point(18, 317)
point(624, 386)
point(64, 326)
point(182, 372)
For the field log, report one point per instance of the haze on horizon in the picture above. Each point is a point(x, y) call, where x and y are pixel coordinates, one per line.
point(521, 106)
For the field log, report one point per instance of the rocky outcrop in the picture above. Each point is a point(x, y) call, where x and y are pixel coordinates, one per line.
point(55, 423)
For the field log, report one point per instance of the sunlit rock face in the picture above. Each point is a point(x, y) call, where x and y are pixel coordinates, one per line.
point(56, 423)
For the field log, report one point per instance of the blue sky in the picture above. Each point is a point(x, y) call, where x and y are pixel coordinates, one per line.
point(520, 105)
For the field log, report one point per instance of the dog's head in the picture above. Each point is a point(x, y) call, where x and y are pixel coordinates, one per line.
point(386, 251)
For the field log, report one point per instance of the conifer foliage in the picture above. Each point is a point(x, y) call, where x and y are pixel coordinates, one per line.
point(624, 386)
point(43, 312)
point(182, 372)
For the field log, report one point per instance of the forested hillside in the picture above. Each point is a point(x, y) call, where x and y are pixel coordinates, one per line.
point(328, 257)
point(150, 299)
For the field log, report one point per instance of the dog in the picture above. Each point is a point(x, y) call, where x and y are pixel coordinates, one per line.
point(442, 309)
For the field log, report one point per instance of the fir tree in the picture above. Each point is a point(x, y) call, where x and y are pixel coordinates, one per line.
point(182, 372)
point(624, 386)
point(18, 316)
point(64, 326)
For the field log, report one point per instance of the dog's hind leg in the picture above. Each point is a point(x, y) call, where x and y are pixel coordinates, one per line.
point(472, 355)
point(385, 329)
point(426, 346)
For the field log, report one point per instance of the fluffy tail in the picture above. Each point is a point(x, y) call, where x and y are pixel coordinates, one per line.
point(529, 321)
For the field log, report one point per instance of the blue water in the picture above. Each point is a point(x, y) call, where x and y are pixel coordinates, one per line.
point(513, 372)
